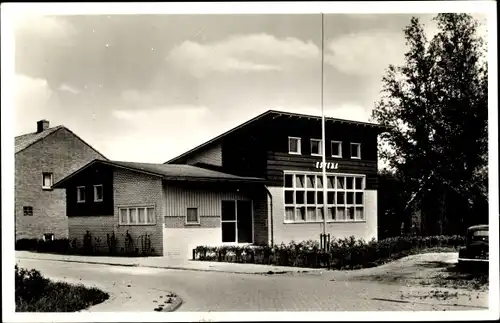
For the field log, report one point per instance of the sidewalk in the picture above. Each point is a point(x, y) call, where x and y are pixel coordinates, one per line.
point(163, 262)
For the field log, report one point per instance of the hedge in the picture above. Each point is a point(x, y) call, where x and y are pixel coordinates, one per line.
point(347, 253)
point(39, 245)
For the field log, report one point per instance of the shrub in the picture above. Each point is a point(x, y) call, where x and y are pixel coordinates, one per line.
point(345, 253)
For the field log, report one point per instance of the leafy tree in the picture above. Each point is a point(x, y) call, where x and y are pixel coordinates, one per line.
point(436, 104)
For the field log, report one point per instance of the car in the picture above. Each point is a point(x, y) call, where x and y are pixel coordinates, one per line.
point(476, 245)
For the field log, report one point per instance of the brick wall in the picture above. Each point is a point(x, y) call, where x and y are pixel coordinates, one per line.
point(180, 222)
point(135, 189)
point(285, 232)
point(211, 155)
point(98, 227)
point(60, 153)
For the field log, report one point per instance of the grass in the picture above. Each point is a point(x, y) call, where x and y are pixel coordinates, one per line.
point(34, 293)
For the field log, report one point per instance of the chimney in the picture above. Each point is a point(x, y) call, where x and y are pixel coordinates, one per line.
point(42, 125)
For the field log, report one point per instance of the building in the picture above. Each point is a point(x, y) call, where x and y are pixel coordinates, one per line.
point(41, 158)
point(259, 183)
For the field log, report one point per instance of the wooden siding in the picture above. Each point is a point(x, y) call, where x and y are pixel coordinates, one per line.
point(278, 162)
point(208, 200)
point(211, 156)
point(94, 175)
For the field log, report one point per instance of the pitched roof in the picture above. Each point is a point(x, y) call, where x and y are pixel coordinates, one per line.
point(24, 141)
point(275, 114)
point(168, 172)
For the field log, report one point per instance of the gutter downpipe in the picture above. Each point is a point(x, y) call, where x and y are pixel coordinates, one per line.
point(271, 215)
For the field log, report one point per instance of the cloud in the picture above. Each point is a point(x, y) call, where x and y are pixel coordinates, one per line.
point(42, 26)
point(68, 88)
point(365, 53)
point(241, 53)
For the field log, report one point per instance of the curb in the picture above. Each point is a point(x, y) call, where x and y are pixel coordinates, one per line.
point(162, 267)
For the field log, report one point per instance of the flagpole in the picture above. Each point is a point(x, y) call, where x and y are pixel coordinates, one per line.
point(323, 141)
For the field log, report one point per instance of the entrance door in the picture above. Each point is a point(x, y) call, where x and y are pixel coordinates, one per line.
point(237, 221)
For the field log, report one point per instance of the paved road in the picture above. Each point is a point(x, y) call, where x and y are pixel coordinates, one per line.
point(135, 288)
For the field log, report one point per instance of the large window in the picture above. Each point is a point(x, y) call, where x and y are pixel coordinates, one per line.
point(294, 145)
point(47, 180)
point(316, 147)
point(136, 215)
point(304, 200)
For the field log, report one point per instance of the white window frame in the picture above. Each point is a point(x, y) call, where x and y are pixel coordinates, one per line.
point(320, 206)
point(78, 195)
point(299, 146)
point(197, 216)
point(95, 193)
point(320, 147)
point(339, 144)
point(25, 208)
point(136, 208)
point(359, 150)
point(51, 175)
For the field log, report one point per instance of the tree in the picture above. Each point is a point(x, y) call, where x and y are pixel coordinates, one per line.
point(436, 104)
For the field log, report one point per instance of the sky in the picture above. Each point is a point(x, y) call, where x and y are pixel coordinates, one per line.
point(147, 88)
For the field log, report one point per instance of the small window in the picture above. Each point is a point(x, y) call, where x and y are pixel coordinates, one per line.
point(28, 211)
point(80, 194)
point(48, 237)
point(294, 145)
point(355, 150)
point(336, 148)
point(98, 193)
point(47, 180)
point(316, 147)
point(192, 216)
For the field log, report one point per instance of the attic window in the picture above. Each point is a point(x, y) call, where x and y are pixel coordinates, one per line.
point(294, 145)
point(47, 180)
point(80, 194)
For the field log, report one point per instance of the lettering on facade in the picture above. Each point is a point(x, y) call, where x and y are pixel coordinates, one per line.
point(328, 165)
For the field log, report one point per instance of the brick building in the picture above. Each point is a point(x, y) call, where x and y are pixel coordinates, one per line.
point(42, 158)
point(259, 183)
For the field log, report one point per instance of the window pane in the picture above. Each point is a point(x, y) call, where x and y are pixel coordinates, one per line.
point(81, 193)
point(288, 180)
point(151, 215)
point(320, 197)
point(289, 214)
point(359, 198)
point(350, 213)
point(192, 215)
point(47, 180)
point(359, 183)
point(299, 197)
point(288, 197)
point(340, 182)
point(354, 150)
point(350, 198)
point(133, 215)
point(311, 214)
point(293, 145)
point(330, 181)
point(301, 213)
point(331, 197)
point(310, 181)
point(228, 231)
point(360, 214)
point(320, 213)
point(316, 147)
point(319, 180)
point(123, 216)
point(340, 198)
point(331, 213)
point(340, 213)
point(141, 216)
point(228, 210)
point(349, 183)
point(299, 181)
point(98, 192)
point(335, 149)
point(311, 197)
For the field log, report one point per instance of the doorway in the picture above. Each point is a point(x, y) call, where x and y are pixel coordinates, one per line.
point(237, 221)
